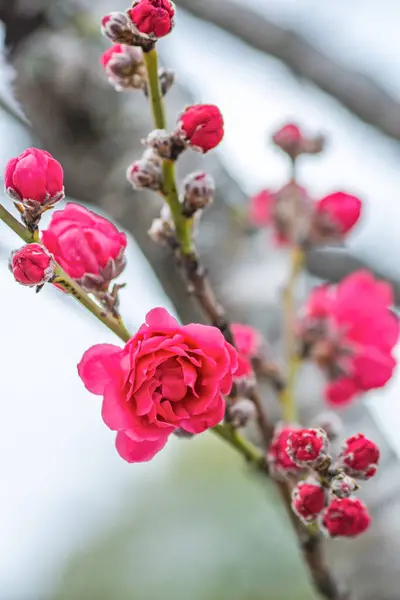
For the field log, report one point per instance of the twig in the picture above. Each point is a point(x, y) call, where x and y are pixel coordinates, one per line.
point(358, 92)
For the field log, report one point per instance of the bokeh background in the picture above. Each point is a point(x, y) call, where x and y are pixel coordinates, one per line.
point(76, 522)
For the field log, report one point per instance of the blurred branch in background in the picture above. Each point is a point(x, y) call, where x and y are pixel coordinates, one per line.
point(358, 92)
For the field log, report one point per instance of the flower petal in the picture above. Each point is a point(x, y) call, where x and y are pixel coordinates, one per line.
point(134, 452)
point(98, 365)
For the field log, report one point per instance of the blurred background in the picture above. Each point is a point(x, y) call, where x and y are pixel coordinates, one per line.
point(76, 522)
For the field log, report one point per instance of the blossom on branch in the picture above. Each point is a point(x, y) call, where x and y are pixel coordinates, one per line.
point(201, 126)
point(307, 447)
point(32, 265)
point(88, 247)
point(167, 377)
point(308, 500)
point(153, 18)
point(359, 457)
point(349, 330)
point(279, 461)
point(249, 343)
point(345, 517)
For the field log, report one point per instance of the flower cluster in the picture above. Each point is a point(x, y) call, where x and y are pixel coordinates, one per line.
point(167, 377)
point(349, 330)
point(326, 495)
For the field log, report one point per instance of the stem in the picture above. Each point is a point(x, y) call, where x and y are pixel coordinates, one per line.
point(291, 359)
point(61, 277)
point(156, 101)
point(241, 444)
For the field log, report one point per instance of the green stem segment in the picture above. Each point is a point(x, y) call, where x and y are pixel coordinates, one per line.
point(170, 191)
point(241, 444)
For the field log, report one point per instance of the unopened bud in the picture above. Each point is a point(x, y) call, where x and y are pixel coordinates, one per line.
point(331, 423)
point(145, 174)
point(241, 412)
point(162, 233)
point(343, 486)
point(118, 27)
point(32, 265)
point(125, 67)
point(198, 190)
point(167, 80)
point(168, 146)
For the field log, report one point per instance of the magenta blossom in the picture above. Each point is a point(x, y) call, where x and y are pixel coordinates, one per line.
point(166, 377)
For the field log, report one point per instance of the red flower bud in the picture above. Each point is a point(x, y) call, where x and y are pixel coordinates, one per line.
point(32, 265)
point(202, 127)
point(307, 447)
point(346, 517)
point(308, 500)
point(290, 139)
point(88, 247)
point(154, 18)
point(359, 457)
point(343, 486)
point(124, 66)
point(337, 213)
point(279, 461)
point(34, 175)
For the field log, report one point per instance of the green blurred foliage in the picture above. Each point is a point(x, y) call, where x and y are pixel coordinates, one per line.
point(204, 529)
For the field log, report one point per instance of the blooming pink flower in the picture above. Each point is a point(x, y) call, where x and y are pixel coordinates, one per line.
point(279, 461)
point(308, 500)
point(32, 265)
point(307, 447)
point(84, 243)
point(34, 175)
point(345, 517)
point(360, 457)
point(339, 211)
point(351, 333)
point(202, 126)
point(153, 17)
point(167, 377)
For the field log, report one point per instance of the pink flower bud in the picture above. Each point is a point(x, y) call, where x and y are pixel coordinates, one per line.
point(308, 500)
point(290, 139)
point(307, 447)
point(118, 27)
point(162, 233)
point(201, 127)
point(32, 265)
point(359, 457)
point(34, 176)
point(261, 206)
point(241, 412)
point(124, 66)
point(165, 145)
point(279, 461)
point(343, 486)
point(153, 18)
point(88, 247)
point(198, 192)
point(146, 173)
point(335, 215)
point(345, 517)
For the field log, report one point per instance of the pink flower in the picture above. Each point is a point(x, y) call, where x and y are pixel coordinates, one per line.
point(167, 377)
point(32, 265)
point(279, 461)
point(360, 457)
point(260, 208)
point(307, 447)
point(345, 517)
point(84, 244)
point(351, 332)
point(202, 126)
point(248, 343)
point(338, 212)
point(153, 17)
point(34, 175)
point(308, 500)
point(290, 139)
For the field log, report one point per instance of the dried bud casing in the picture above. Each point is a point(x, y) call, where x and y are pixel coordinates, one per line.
point(145, 174)
point(118, 27)
point(198, 192)
point(241, 412)
point(166, 145)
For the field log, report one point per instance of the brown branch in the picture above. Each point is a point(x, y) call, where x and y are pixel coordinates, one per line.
point(358, 92)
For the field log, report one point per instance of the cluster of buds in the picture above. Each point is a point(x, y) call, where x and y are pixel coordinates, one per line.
point(293, 215)
point(141, 25)
point(326, 495)
point(35, 182)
